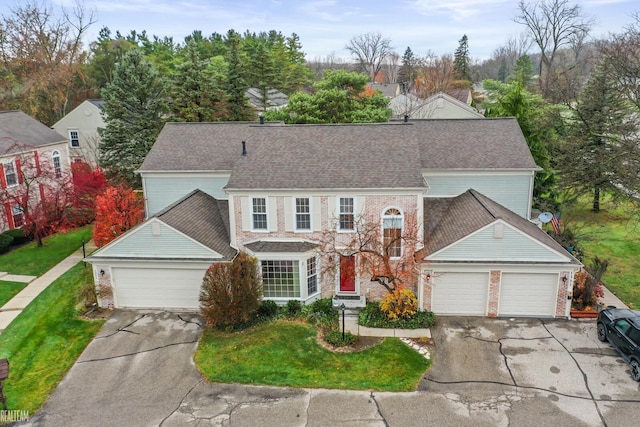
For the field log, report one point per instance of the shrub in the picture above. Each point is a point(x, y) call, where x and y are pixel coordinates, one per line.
point(267, 310)
point(321, 313)
point(587, 287)
point(335, 338)
point(231, 292)
point(19, 236)
point(5, 243)
point(373, 317)
point(399, 304)
point(293, 308)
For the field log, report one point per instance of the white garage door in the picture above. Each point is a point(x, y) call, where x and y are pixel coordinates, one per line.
point(524, 294)
point(157, 287)
point(460, 293)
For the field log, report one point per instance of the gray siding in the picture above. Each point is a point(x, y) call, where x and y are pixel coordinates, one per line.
point(160, 192)
point(511, 191)
point(142, 243)
point(513, 246)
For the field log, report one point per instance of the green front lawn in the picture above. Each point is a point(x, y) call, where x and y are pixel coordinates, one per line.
point(9, 289)
point(45, 340)
point(31, 260)
point(284, 353)
point(612, 234)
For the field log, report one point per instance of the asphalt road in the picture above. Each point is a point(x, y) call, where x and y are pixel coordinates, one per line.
point(139, 371)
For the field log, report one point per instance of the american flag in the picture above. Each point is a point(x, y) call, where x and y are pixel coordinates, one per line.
point(555, 222)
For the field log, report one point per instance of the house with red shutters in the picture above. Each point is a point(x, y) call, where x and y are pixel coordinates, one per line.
point(28, 148)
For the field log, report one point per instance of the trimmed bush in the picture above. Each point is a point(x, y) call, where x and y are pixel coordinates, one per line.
point(231, 292)
point(268, 310)
point(5, 243)
point(373, 317)
point(335, 338)
point(19, 237)
point(293, 308)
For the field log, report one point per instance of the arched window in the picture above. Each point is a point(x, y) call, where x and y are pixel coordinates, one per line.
point(55, 157)
point(392, 232)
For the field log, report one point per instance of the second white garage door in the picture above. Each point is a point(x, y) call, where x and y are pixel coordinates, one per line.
point(463, 294)
point(157, 287)
point(528, 295)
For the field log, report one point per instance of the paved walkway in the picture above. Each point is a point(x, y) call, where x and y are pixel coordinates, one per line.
point(14, 306)
point(611, 299)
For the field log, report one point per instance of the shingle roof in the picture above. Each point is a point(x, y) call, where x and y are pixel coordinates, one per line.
point(204, 219)
point(469, 212)
point(270, 246)
point(384, 155)
point(19, 131)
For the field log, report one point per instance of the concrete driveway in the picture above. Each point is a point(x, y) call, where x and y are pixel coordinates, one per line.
point(494, 372)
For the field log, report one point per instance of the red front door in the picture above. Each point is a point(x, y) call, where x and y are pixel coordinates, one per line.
point(347, 273)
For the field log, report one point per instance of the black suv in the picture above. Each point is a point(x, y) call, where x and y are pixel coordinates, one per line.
point(621, 327)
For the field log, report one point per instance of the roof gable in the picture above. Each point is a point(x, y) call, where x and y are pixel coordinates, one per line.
point(464, 223)
point(19, 130)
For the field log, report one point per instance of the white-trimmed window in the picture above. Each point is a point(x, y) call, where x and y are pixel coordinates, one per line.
point(18, 216)
point(259, 219)
point(346, 217)
point(312, 276)
point(392, 232)
point(303, 214)
point(74, 139)
point(281, 278)
point(10, 175)
point(57, 168)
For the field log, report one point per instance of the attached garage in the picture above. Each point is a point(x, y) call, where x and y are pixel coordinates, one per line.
point(458, 293)
point(528, 294)
point(172, 288)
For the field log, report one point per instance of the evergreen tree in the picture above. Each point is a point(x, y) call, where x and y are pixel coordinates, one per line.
point(196, 94)
point(133, 111)
point(523, 71)
point(602, 143)
point(262, 72)
point(461, 62)
point(407, 72)
point(236, 89)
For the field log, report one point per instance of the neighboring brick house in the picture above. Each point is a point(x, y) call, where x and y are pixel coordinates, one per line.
point(23, 137)
point(212, 189)
point(80, 128)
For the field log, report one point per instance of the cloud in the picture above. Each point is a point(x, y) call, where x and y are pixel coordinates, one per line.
point(457, 9)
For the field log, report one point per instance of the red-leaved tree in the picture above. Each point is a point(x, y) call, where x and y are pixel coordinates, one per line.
point(118, 209)
point(87, 185)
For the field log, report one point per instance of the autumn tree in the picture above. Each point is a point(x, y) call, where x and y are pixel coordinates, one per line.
point(553, 25)
point(88, 184)
point(40, 196)
point(231, 292)
point(340, 97)
point(41, 57)
point(133, 112)
point(385, 251)
point(370, 51)
point(437, 74)
point(118, 209)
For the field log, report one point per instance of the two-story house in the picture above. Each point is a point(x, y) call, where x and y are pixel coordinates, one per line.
point(80, 128)
point(24, 138)
point(273, 190)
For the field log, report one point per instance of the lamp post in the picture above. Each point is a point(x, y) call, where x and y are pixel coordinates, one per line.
point(342, 307)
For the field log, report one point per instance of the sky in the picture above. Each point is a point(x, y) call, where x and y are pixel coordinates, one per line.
point(325, 26)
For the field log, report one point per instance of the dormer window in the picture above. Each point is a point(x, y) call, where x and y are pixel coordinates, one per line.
point(74, 139)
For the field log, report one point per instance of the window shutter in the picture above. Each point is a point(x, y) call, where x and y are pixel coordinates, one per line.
point(3, 180)
point(289, 214)
point(37, 161)
point(9, 212)
point(19, 171)
point(332, 214)
point(316, 216)
point(272, 216)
